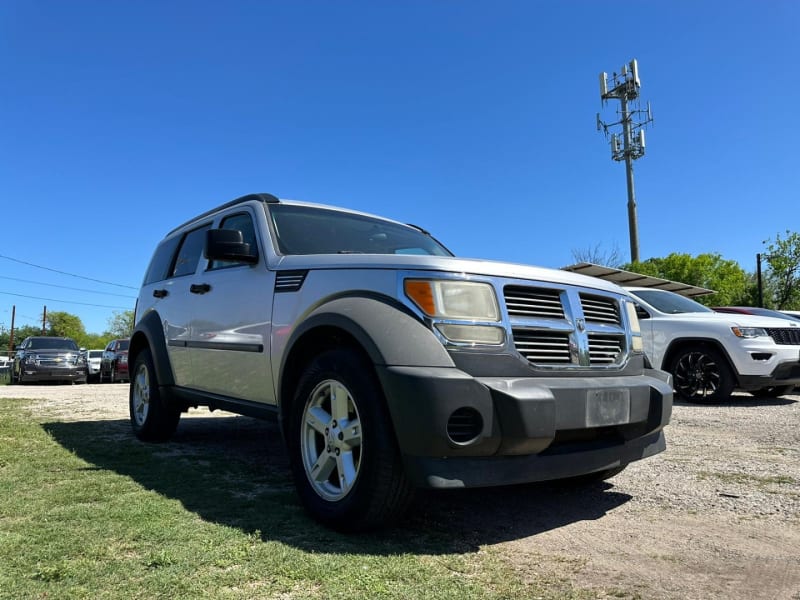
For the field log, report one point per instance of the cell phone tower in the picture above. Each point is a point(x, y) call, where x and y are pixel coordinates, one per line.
point(627, 145)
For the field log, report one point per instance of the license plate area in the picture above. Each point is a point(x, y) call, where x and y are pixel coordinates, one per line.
point(608, 407)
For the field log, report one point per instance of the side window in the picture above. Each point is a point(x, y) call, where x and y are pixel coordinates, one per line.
point(189, 252)
point(244, 223)
point(161, 261)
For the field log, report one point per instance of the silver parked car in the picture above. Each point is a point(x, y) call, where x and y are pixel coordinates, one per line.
point(390, 363)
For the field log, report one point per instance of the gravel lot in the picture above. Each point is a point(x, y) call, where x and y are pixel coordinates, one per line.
point(716, 516)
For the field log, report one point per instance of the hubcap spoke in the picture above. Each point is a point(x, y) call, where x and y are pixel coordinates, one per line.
point(331, 440)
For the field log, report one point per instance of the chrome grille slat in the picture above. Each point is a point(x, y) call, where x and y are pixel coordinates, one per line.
point(604, 349)
point(543, 346)
point(533, 302)
point(600, 309)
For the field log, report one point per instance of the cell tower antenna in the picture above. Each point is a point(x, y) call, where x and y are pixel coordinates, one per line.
point(625, 88)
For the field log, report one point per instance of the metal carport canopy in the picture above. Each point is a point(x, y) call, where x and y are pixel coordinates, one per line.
point(631, 279)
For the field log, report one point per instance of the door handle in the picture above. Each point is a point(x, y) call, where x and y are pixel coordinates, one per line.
point(160, 293)
point(199, 288)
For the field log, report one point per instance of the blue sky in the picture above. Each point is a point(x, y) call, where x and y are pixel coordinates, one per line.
point(476, 120)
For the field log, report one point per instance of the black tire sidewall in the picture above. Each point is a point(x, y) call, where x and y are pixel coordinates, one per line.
point(161, 419)
point(365, 505)
point(726, 383)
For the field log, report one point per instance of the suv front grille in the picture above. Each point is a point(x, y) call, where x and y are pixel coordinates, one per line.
point(785, 336)
point(566, 327)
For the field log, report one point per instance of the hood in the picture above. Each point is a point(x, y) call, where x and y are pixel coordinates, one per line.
point(738, 320)
point(467, 266)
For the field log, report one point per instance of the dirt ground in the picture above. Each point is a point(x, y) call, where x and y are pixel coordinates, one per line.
point(716, 516)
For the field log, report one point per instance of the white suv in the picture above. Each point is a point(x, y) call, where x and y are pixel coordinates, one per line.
point(710, 353)
point(389, 363)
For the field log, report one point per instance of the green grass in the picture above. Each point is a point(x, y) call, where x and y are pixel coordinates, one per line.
point(87, 511)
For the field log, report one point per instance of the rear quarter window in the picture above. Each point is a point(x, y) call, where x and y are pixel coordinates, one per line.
point(162, 260)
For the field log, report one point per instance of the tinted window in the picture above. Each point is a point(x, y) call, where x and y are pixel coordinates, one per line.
point(123, 345)
point(669, 302)
point(189, 252)
point(95, 354)
point(52, 344)
point(244, 223)
point(312, 230)
point(162, 260)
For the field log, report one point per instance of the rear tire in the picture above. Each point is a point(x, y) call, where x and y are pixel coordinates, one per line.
point(344, 456)
point(153, 419)
point(701, 374)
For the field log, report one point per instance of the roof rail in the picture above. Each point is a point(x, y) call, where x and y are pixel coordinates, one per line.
point(263, 197)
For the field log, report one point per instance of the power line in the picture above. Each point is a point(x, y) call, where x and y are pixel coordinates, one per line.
point(66, 287)
point(66, 301)
point(130, 287)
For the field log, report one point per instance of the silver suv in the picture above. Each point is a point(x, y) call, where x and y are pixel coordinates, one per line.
point(389, 363)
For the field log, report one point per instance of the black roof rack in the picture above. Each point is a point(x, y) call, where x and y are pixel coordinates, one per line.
point(263, 197)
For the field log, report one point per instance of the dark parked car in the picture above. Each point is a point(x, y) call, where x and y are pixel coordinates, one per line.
point(755, 310)
point(114, 364)
point(40, 358)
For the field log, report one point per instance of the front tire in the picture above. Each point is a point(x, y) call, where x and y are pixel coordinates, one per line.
point(152, 417)
point(701, 374)
point(344, 456)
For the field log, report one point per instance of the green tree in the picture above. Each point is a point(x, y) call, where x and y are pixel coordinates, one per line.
point(730, 282)
point(782, 289)
point(65, 324)
point(20, 333)
point(120, 325)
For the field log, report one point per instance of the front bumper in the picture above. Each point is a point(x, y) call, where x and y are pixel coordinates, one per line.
point(40, 373)
point(787, 373)
point(522, 429)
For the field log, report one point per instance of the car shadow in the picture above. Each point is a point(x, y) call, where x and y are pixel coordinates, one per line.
point(745, 401)
point(234, 471)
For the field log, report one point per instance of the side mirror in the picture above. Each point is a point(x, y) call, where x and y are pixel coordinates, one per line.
point(642, 313)
point(229, 244)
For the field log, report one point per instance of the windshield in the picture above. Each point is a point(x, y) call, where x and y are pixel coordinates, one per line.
point(123, 345)
point(52, 344)
point(95, 354)
point(670, 302)
point(313, 230)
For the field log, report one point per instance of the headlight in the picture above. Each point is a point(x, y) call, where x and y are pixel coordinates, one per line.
point(454, 299)
point(636, 330)
point(459, 301)
point(749, 332)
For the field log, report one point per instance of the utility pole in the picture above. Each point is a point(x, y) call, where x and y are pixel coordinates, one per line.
point(629, 145)
point(44, 320)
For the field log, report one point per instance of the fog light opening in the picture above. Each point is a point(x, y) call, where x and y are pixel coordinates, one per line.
point(464, 426)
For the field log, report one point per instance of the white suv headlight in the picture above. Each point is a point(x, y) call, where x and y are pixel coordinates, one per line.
point(749, 332)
